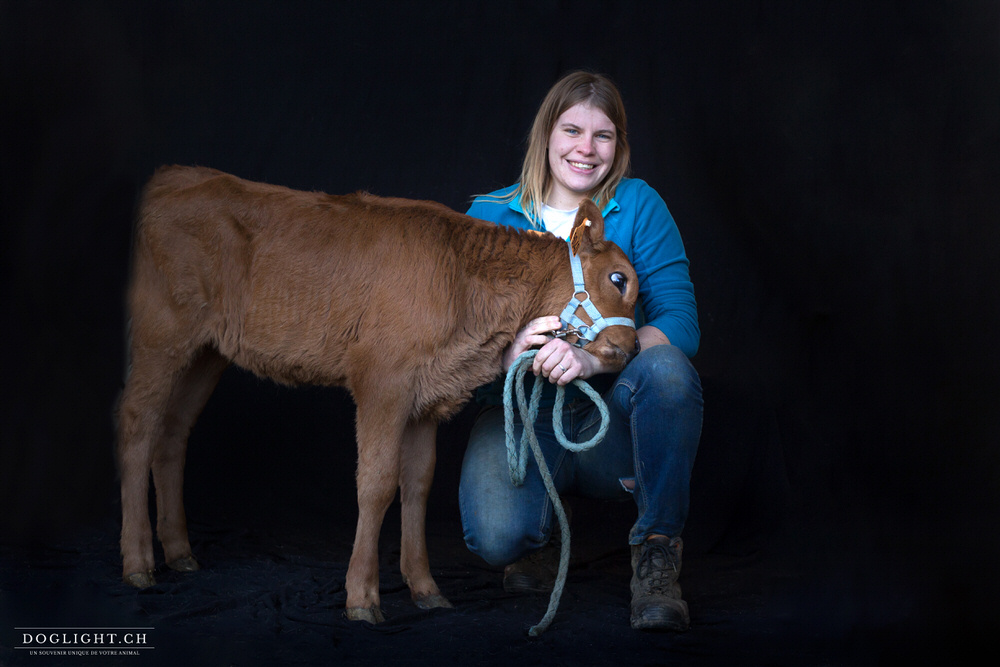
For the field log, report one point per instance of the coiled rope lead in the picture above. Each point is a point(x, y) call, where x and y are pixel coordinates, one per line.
point(517, 454)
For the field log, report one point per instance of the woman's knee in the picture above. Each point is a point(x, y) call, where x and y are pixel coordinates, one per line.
point(499, 525)
point(500, 521)
point(499, 543)
point(664, 372)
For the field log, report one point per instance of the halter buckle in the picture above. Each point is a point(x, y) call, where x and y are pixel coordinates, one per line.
point(568, 330)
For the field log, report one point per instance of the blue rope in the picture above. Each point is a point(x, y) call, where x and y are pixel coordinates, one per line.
point(517, 453)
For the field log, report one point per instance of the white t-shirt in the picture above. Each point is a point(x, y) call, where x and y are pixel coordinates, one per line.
point(558, 222)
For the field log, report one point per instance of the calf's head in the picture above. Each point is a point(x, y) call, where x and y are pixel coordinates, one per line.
point(611, 285)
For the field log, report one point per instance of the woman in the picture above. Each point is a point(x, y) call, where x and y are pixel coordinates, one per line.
point(578, 148)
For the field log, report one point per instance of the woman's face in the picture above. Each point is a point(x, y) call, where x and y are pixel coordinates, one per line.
point(581, 151)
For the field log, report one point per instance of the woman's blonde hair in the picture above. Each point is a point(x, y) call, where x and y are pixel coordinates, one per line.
point(580, 87)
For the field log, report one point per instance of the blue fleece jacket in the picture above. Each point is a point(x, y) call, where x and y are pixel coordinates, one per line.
point(638, 221)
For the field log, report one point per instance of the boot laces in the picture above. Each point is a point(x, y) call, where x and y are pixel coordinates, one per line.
point(657, 566)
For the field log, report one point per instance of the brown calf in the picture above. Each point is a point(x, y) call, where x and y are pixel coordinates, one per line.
point(408, 304)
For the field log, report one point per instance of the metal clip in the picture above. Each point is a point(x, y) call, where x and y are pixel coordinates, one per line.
point(581, 340)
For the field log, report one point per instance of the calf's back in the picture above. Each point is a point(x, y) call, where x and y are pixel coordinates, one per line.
point(335, 289)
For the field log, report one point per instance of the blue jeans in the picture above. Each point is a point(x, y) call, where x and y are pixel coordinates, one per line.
point(648, 454)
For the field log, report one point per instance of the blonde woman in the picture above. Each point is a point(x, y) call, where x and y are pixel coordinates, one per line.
point(577, 148)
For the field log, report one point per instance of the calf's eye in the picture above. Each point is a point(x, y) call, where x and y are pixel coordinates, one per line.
point(620, 281)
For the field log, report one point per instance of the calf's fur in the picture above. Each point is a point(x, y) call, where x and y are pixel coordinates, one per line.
point(407, 304)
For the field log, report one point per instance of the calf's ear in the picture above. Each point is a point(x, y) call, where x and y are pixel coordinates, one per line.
point(588, 228)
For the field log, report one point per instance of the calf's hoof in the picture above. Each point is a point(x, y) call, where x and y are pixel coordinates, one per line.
point(186, 564)
point(140, 579)
point(371, 614)
point(432, 601)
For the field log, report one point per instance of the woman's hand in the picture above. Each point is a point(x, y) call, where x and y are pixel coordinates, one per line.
point(557, 360)
point(535, 333)
point(562, 363)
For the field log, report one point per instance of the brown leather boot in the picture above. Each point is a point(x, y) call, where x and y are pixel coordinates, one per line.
point(536, 572)
point(656, 595)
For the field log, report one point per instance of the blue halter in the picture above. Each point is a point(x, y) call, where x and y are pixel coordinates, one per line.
point(574, 325)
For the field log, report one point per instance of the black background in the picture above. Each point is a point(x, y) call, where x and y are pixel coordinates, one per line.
point(833, 167)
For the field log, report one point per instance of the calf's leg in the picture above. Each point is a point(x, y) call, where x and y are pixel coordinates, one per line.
point(141, 411)
point(417, 460)
point(188, 398)
point(379, 431)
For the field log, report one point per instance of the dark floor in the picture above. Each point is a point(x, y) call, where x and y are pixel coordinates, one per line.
point(277, 597)
point(274, 595)
point(274, 534)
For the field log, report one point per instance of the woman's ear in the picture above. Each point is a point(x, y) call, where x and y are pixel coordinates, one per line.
point(588, 228)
